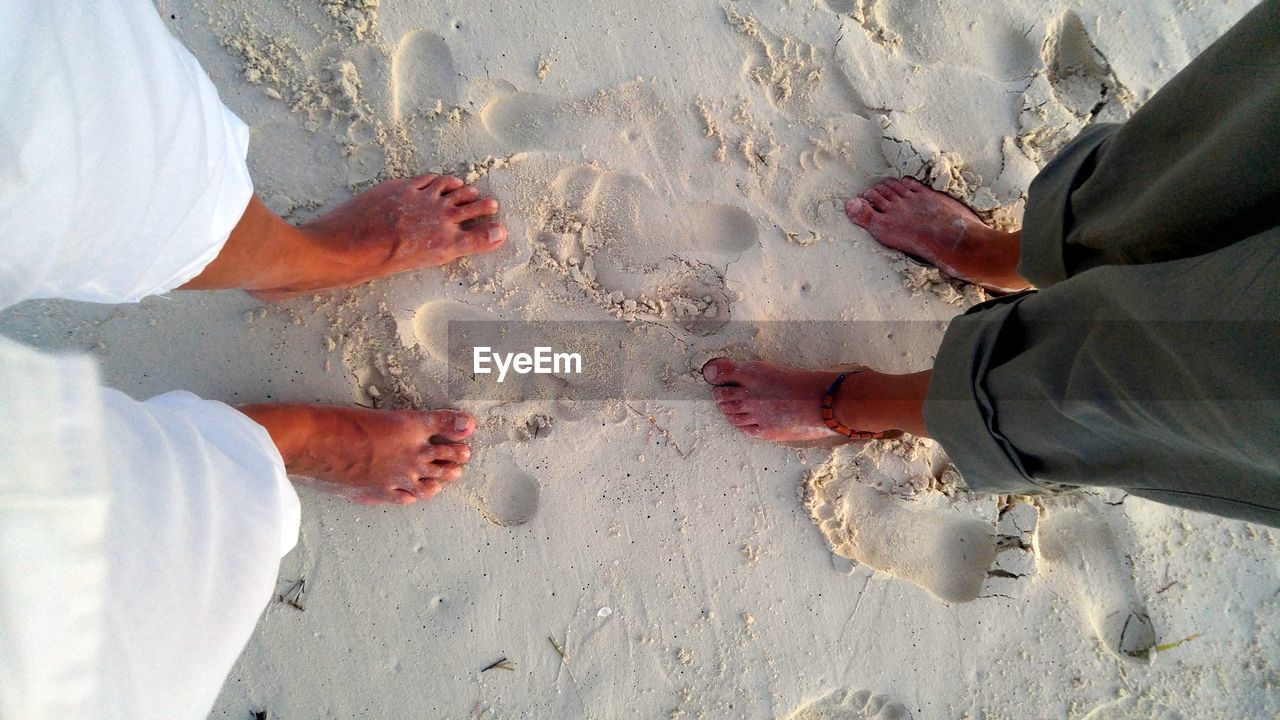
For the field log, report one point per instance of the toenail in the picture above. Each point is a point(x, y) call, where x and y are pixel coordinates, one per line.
point(710, 372)
point(461, 423)
point(495, 234)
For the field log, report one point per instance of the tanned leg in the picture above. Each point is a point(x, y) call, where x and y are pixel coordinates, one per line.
point(366, 455)
point(369, 456)
point(399, 225)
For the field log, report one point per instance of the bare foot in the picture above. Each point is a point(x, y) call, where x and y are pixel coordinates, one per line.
point(935, 227)
point(369, 456)
point(784, 404)
point(399, 225)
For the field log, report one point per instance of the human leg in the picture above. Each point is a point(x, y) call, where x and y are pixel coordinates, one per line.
point(140, 541)
point(1156, 378)
point(399, 225)
point(1191, 172)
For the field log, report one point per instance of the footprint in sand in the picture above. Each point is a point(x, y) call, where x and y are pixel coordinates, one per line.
point(648, 226)
point(1080, 76)
point(848, 704)
point(627, 116)
point(842, 7)
point(423, 79)
point(1076, 542)
point(624, 245)
point(430, 325)
point(927, 106)
point(503, 492)
point(627, 125)
point(987, 39)
point(924, 541)
point(1075, 87)
point(531, 121)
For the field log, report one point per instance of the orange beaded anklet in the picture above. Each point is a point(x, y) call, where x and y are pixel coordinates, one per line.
point(829, 416)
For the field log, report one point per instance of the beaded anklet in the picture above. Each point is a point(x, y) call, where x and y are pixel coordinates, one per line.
point(829, 415)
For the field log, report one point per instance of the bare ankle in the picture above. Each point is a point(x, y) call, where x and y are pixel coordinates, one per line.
point(876, 401)
point(990, 257)
point(260, 250)
point(288, 425)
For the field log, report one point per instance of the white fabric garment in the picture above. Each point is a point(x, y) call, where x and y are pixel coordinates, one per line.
point(139, 541)
point(54, 497)
point(121, 173)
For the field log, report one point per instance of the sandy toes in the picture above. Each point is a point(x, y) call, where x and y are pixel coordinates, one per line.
point(399, 225)
point(369, 456)
point(769, 401)
point(940, 230)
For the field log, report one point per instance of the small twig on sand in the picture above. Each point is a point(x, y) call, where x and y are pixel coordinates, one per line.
point(293, 596)
point(559, 648)
point(503, 664)
point(1165, 646)
point(662, 431)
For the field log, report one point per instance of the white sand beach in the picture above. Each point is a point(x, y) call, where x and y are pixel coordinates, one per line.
point(661, 163)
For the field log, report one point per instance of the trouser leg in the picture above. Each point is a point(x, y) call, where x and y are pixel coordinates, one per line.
point(1159, 378)
point(1194, 170)
point(1148, 361)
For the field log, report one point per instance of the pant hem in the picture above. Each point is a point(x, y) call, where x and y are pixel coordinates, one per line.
point(1048, 218)
point(960, 414)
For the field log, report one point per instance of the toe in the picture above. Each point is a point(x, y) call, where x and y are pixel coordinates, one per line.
point(449, 474)
point(721, 371)
point(462, 194)
point(885, 188)
point(422, 181)
point(450, 424)
point(727, 393)
point(485, 238)
point(859, 211)
point(429, 488)
point(473, 210)
point(439, 472)
point(911, 185)
point(446, 184)
point(743, 419)
point(896, 187)
point(447, 454)
point(400, 496)
point(732, 407)
point(878, 199)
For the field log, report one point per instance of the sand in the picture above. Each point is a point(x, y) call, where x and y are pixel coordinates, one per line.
point(678, 169)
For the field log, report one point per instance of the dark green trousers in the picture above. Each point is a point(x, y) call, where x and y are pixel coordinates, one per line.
point(1149, 358)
